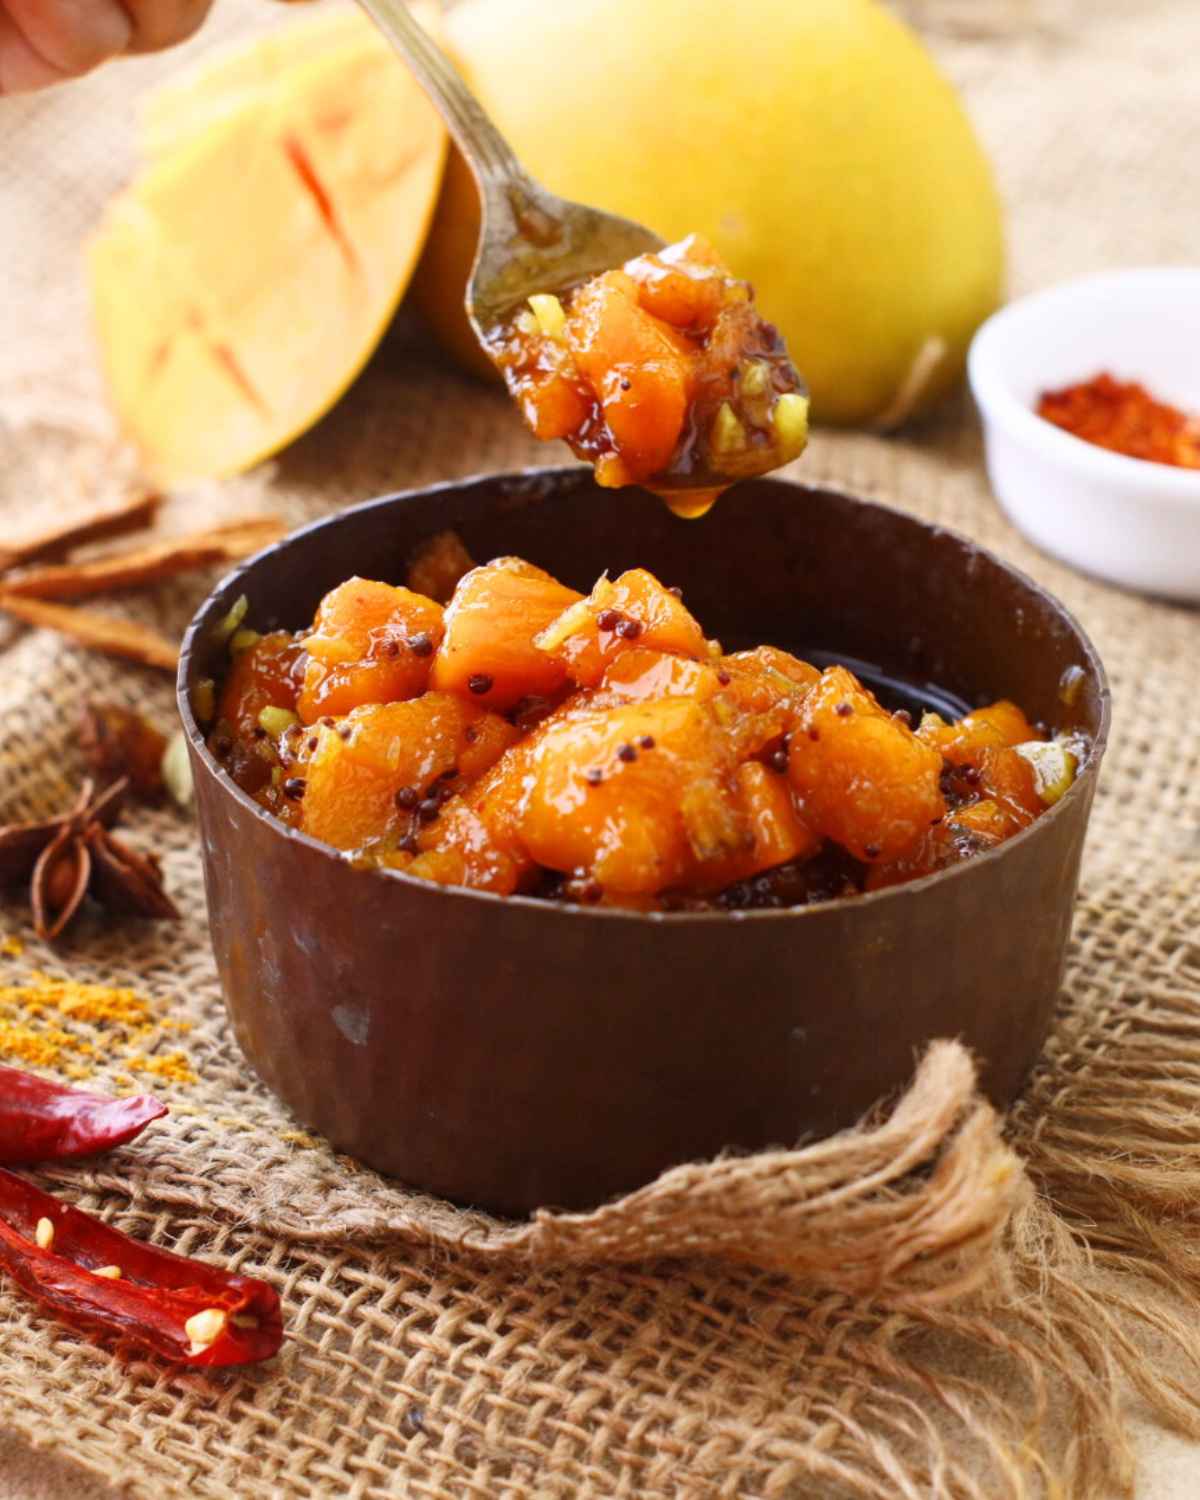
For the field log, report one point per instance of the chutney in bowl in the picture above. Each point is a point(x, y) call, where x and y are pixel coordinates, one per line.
point(512, 1052)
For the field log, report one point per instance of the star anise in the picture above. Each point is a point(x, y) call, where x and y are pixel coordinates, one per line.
point(117, 742)
point(66, 857)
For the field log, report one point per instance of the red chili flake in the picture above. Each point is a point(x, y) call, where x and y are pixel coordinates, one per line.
point(1125, 418)
point(186, 1310)
point(45, 1121)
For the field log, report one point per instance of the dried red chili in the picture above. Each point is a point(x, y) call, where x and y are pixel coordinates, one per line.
point(45, 1121)
point(1125, 418)
point(95, 1277)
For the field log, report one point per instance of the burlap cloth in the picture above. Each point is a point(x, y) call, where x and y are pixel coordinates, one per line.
point(943, 1304)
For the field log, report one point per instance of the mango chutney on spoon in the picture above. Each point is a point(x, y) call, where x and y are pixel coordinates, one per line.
point(660, 373)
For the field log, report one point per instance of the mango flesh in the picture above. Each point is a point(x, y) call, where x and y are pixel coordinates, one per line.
point(488, 651)
point(380, 749)
point(637, 822)
point(865, 779)
point(237, 74)
point(370, 643)
point(243, 279)
point(815, 144)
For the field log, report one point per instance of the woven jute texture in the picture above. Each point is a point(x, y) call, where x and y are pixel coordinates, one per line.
point(942, 1303)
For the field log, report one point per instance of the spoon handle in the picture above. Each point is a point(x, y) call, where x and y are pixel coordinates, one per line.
point(490, 156)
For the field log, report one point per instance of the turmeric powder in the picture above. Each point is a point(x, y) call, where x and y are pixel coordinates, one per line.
point(72, 1026)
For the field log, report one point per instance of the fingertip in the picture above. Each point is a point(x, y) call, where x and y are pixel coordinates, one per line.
point(158, 24)
point(63, 38)
point(22, 68)
point(106, 33)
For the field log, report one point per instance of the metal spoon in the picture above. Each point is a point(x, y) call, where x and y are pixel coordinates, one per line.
point(530, 240)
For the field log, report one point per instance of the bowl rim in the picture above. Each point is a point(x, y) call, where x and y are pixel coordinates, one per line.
point(1000, 404)
point(556, 910)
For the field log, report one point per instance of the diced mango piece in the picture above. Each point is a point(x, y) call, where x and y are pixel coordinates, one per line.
point(370, 643)
point(263, 676)
point(1008, 778)
point(371, 769)
point(552, 400)
point(778, 832)
point(686, 284)
point(460, 849)
point(999, 724)
point(958, 838)
point(637, 797)
point(437, 565)
point(643, 675)
point(488, 654)
point(635, 608)
point(640, 369)
point(865, 779)
point(548, 314)
point(478, 831)
point(765, 677)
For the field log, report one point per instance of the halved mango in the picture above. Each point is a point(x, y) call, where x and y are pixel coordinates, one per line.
point(239, 72)
point(240, 283)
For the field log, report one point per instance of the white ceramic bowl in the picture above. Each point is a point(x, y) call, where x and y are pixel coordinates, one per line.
point(1125, 519)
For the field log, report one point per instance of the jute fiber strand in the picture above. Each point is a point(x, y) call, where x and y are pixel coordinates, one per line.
point(942, 1303)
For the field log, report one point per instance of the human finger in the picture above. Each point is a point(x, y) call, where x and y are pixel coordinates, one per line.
point(45, 41)
point(162, 23)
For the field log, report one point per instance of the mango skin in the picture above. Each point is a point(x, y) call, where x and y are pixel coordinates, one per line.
point(815, 142)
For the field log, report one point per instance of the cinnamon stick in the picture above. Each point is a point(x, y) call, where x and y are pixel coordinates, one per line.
point(151, 563)
point(106, 633)
point(130, 513)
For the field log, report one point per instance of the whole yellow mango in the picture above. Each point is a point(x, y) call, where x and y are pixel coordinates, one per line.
point(813, 141)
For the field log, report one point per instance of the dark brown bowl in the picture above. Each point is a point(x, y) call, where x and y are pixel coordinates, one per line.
point(513, 1053)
